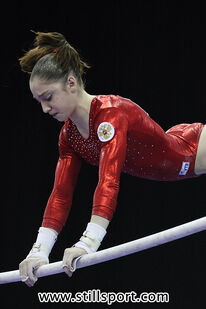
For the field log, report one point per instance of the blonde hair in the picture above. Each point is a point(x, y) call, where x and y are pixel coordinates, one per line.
point(52, 58)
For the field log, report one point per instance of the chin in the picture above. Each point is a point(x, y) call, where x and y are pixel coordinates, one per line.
point(60, 118)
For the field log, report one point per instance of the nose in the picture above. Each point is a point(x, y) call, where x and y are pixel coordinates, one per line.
point(46, 108)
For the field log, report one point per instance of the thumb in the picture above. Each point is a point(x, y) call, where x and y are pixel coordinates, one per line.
point(67, 271)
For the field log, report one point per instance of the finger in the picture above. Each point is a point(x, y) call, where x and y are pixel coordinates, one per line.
point(67, 268)
point(29, 278)
point(37, 265)
point(67, 271)
point(26, 273)
point(67, 263)
point(29, 282)
point(68, 257)
point(70, 268)
point(32, 277)
point(24, 278)
point(23, 269)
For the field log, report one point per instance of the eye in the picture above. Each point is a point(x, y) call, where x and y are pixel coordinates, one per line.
point(48, 97)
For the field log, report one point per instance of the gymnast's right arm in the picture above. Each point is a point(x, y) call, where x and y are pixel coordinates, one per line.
point(56, 212)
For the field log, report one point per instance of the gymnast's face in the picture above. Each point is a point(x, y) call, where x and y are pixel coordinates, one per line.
point(57, 99)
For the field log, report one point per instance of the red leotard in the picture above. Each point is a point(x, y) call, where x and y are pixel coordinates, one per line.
point(139, 147)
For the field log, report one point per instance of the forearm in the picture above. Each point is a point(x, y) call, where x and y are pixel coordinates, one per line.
point(60, 200)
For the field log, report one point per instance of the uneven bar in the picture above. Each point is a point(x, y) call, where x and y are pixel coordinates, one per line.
point(131, 247)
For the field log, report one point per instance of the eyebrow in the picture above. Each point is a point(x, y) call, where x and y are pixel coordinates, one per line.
point(42, 94)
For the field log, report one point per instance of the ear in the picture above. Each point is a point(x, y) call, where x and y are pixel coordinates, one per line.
point(72, 83)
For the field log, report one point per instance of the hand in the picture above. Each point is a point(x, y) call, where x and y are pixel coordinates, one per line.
point(27, 268)
point(69, 255)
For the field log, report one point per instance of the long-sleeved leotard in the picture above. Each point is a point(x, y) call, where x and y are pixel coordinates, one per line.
point(122, 138)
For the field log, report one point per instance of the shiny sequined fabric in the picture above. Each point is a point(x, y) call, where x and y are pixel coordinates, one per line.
point(138, 146)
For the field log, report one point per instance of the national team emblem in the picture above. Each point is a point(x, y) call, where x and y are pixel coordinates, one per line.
point(105, 131)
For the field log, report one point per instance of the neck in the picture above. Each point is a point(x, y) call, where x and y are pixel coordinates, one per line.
point(80, 116)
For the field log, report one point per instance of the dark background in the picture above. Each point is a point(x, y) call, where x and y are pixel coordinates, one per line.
point(152, 52)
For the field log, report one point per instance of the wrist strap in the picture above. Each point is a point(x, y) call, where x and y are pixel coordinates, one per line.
point(91, 238)
point(38, 250)
point(44, 243)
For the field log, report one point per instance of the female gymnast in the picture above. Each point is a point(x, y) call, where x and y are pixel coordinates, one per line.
point(105, 130)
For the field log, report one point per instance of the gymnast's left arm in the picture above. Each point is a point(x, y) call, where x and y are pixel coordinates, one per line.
point(112, 158)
